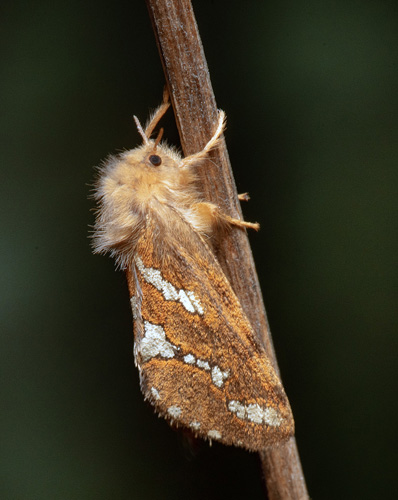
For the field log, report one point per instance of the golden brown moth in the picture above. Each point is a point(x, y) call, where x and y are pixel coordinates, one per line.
point(199, 362)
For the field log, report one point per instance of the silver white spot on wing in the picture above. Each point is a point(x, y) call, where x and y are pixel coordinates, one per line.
point(195, 425)
point(271, 417)
point(203, 364)
point(183, 298)
point(237, 408)
point(254, 413)
point(218, 376)
point(197, 305)
point(155, 393)
point(154, 277)
point(174, 411)
point(133, 302)
point(154, 343)
point(190, 359)
point(214, 434)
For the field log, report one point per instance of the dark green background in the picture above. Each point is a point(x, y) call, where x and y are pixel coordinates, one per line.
point(311, 93)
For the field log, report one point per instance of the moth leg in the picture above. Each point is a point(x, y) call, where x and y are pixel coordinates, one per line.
point(214, 142)
point(244, 197)
point(240, 223)
point(213, 215)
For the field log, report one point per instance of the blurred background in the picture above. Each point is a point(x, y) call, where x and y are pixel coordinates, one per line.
point(311, 93)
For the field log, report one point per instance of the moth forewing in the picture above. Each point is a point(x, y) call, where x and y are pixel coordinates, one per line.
point(199, 363)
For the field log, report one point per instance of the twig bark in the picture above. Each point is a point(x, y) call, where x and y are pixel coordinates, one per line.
point(195, 109)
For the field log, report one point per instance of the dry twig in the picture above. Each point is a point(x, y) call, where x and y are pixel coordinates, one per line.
point(195, 109)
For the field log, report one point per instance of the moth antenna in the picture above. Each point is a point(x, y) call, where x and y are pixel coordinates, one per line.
point(210, 145)
point(141, 130)
point(158, 113)
point(158, 138)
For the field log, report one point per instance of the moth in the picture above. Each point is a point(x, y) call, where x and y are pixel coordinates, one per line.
point(198, 359)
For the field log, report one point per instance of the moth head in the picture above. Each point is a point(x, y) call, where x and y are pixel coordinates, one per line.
point(150, 147)
point(154, 154)
point(153, 165)
point(150, 172)
point(153, 160)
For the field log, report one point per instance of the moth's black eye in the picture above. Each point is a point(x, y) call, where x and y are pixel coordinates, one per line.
point(155, 160)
